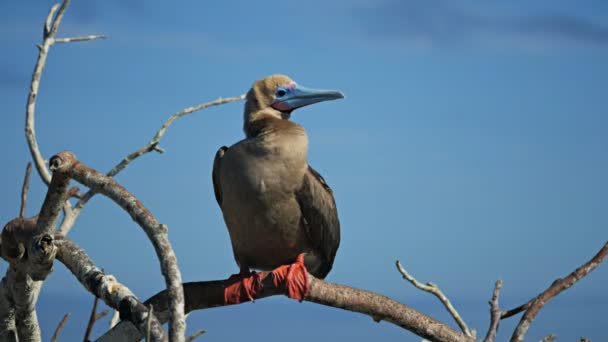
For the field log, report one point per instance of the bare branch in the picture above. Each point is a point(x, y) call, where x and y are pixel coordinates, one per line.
point(115, 318)
point(556, 288)
point(152, 145)
point(58, 18)
point(51, 26)
point(549, 338)
point(195, 335)
point(60, 327)
point(435, 290)
point(494, 313)
point(8, 329)
point(49, 20)
point(27, 244)
point(107, 288)
point(149, 322)
point(208, 294)
point(92, 320)
point(515, 311)
point(25, 189)
point(30, 131)
point(80, 39)
point(66, 163)
point(101, 315)
point(53, 202)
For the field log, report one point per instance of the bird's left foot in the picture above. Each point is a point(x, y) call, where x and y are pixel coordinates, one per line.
point(242, 287)
point(293, 277)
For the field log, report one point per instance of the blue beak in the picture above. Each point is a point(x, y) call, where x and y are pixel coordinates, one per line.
point(294, 96)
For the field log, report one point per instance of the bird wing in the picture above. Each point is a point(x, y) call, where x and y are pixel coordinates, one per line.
point(217, 162)
point(320, 217)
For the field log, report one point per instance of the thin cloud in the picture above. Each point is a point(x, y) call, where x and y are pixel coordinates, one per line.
point(441, 23)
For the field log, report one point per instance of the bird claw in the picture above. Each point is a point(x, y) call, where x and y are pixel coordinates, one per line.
point(242, 287)
point(293, 277)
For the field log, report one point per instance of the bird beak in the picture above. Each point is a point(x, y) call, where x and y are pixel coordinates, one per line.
point(301, 96)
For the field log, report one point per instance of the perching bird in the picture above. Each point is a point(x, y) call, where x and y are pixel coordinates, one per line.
point(276, 206)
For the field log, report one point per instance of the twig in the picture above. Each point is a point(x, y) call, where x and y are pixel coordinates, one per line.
point(92, 320)
point(149, 322)
point(435, 290)
point(115, 318)
point(25, 189)
point(515, 311)
point(60, 327)
point(152, 145)
point(556, 288)
point(67, 164)
point(195, 335)
point(51, 25)
point(53, 202)
point(28, 244)
point(50, 29)
point(494, 313)
point(549, 338)
point(79, 39)
point(208, 294)
point(107, 288)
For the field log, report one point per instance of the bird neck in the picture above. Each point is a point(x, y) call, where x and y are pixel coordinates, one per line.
point(264, 123)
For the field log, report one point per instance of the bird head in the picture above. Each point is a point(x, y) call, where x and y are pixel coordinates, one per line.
point(279, 95)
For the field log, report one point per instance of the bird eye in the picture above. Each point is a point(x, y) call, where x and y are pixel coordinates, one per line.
point(281, 92)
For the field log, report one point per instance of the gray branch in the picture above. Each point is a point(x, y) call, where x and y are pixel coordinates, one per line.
point(152, 145)
point(79, 39)
point(556, 288)
point(494, 313)
point(67, 164)
point(28, 246)
point(435, 290)
point(209, 294)
point(107, 288)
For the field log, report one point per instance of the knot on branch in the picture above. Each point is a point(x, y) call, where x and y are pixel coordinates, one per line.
point(42, 251)
point(26, 251)
point(16, 235)
point(62, 161)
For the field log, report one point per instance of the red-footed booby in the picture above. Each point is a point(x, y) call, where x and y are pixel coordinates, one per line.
point(278, 209)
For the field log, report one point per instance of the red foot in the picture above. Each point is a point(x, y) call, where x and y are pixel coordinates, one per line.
point(242, 287)
point(293, 277)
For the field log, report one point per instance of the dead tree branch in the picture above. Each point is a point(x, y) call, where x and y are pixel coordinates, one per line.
point(93, 317)
point(79, 39)
point(51, 26)
point(60, 327)
point(548, 338)
point(27, 244)
point(91, 323)
point(494, 313)
point(435, 290)
point(209, 294)
point(66, 163)
point(152, 145)
point(195, 335)
point(107, 288)
point(24, 189)
point(556, 288)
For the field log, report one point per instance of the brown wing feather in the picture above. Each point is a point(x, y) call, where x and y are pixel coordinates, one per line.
point(321, 219)
point(217, 188)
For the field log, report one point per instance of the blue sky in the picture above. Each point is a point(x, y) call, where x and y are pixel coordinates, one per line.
point(472, 146)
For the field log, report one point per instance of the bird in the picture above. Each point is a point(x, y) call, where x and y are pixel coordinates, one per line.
point(278, 209)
